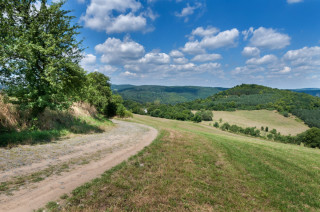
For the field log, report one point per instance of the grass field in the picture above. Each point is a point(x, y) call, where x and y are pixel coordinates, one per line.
point(258, 118)
point(192, 167)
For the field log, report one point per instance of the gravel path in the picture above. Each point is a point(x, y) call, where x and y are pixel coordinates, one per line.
point(103, 151)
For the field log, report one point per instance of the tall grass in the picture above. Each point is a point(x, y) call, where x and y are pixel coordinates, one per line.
point(17, 127)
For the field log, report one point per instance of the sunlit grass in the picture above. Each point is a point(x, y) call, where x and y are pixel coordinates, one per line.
point(195, 167)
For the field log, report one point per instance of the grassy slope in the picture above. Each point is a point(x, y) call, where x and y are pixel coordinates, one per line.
point(258, 118)
point(80, 125)
point(165, 94)
point(195, 167)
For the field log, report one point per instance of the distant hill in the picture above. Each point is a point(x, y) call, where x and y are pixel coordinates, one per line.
point(255, 97)
point(311, 91)
point(164, 94)
point(121, 87)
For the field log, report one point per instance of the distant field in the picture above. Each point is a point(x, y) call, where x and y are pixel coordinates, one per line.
point(193, 167)
point(258, 118)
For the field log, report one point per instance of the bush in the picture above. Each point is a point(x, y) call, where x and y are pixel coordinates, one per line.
point(216, 125)
point(196, 118)
point(273, 131)
point(225, 126)
point(310, 137)
point(206, 115)
point(267, 129)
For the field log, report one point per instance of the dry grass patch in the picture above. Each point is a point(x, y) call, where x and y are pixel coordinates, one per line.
point(259, 118)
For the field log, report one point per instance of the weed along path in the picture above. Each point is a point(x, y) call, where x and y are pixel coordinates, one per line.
point(31, 176)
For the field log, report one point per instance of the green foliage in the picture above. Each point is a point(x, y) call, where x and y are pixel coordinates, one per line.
point(273, 131)
point(163, 94)
point(225, 126)
point(256, 97)
point(216, 125)
point(267, 129)
point(205, 115)
point(39, 55)
point(97, 91)
point(310, 137)
point(196, 118)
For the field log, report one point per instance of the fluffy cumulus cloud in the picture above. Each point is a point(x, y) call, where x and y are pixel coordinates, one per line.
point(304, 59)
point(294, 1)
point(206, 57)
point(225, 38)
point(200, 31)
point(251, 52)
point(193, 47)
point(115, 16)
point(267, 38)
point(156, 58)
point(210, 40)
point(180, 60)
point(115, 51)
point(176, 53)
point(267, 59)
point(89, 59)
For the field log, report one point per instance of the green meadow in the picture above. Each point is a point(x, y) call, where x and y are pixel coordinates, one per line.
point(193, 167)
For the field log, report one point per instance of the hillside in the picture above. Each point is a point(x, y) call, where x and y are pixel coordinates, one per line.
point(191, 167)
point(256, 97)
point(164, 94)
point(260, 118)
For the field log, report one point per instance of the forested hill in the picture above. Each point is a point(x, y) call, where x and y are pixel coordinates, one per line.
point(251, 97)
point(164, 94)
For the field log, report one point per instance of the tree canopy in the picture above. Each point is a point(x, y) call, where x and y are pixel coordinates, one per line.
point(39, 54)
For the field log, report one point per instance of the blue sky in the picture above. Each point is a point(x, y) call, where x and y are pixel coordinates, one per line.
point(202, 42)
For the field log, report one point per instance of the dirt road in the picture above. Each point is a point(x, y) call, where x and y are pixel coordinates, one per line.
point(85, 157)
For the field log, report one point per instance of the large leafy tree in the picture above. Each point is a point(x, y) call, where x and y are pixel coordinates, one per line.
point(39, 54)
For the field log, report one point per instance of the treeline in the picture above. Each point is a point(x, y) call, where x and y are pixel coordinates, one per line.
point(310, 138)
point(164, 94)
point(177, 112)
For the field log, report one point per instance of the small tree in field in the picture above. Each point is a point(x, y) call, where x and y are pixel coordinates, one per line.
point(39, 55)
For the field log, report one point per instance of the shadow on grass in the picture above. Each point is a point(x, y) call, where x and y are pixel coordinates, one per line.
point(77, 126)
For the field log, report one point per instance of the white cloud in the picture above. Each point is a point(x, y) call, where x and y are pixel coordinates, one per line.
point(269, 38)
point(267, 59)
point(189, 10)
point(285, 70)
point(193, 47)
point(115, 51)
point(156, 58)
point(128, 74)
point(251, 52)
point(89, 59)
point(307, 56)
point(176, 53)
point(125, 23)
point(225, 38)
point(211, 41)
point(294, 1)
point(114, 16)
point(106, 69)
point(206, 57)
point(200, 31)
point(180, 60)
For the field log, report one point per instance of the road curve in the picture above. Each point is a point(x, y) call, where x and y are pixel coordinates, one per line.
point(123, 141)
